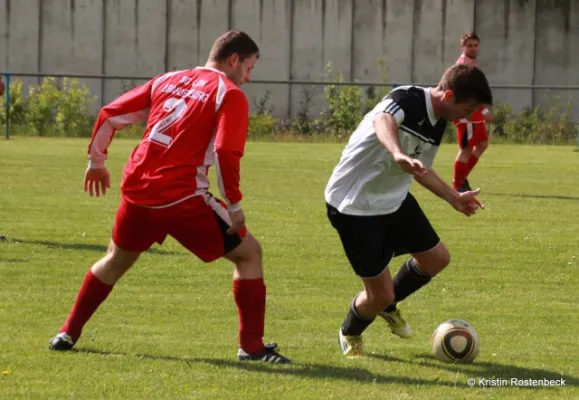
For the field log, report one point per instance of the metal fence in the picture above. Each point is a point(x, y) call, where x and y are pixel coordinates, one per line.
point(103, 78)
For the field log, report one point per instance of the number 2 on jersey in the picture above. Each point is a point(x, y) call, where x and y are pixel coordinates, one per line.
point(176, 109)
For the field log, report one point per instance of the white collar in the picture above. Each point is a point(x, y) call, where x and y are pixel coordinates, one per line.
point(212, 69)
point(429, 107)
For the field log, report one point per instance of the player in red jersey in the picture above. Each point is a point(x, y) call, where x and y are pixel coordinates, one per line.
point(196, 118)
point(472, 135)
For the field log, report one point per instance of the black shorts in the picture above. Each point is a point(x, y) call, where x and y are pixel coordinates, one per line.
point(370, 242)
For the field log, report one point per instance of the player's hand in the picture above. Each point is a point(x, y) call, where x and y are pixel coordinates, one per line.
point(96, 181)
point(467, 203)
point(410, 165)
point(237, 221)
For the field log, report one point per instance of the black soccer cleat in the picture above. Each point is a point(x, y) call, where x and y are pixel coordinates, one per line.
point(268, 355)
point(465, 187)
point(61, 342)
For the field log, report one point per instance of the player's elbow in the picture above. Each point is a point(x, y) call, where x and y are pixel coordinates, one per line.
point(381, 118)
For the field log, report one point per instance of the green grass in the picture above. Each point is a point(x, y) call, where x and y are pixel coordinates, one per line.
point(168, 330)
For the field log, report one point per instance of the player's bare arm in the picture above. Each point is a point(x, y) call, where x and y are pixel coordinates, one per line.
point(387, 133)
point(465, 203)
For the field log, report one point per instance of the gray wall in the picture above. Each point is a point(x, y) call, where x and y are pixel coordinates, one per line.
point(522, 44)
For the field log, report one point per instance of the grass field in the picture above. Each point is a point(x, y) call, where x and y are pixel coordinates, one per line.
point(168, 330)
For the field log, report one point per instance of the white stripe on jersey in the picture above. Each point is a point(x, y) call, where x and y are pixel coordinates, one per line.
point(395, 110)
point(103, 136)
point(219, 209)
point(221, 90)
point(418, 135)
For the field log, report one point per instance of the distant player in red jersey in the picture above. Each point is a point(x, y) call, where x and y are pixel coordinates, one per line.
point(472, 135)
point(2, 87)
point(196, 118)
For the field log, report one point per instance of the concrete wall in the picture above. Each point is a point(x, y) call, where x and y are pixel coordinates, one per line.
point(522, 44)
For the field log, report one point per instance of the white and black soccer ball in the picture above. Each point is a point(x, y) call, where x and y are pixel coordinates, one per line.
point(455, 340)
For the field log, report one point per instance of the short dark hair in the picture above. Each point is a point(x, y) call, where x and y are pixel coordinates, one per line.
point(467, 82)
point(233, 42)
point(468, 36)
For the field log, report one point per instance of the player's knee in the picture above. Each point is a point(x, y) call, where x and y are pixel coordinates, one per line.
point(120, 259)
point(464, 154)
point(441, 260)
point(256, 250)
point(482, 146)
point(249, 251)
point(433, 261)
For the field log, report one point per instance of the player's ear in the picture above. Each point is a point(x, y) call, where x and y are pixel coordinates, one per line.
point(233, 59)
point(448, 96)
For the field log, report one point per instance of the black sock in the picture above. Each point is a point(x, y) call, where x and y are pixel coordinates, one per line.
point(355, 323)
point(408, 280)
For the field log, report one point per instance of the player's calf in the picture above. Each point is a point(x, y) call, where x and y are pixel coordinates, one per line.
point(356, 322)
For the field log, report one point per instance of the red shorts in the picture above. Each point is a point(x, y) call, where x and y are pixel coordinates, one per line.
point(199, 224)
point(470, 134)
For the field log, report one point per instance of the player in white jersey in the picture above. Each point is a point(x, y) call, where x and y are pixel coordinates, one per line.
point(370, 206)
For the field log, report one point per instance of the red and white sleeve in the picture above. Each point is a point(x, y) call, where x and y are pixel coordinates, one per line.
point(131, 107)
point(232, 125)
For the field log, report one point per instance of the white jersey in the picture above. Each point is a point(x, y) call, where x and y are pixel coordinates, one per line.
point(367, 180)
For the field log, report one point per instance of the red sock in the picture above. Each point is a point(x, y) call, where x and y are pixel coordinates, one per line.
point(249, 297)
point(90, 296)
point(471, 163)
point(460, 173)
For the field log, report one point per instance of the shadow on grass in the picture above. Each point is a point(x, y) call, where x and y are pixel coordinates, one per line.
point(13, 260)
point(311, 371)
point(476, 370)
point(485, 369)
point(534, 196)
point(84, 246)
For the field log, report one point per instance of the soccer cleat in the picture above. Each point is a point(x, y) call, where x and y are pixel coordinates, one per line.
point(61, 342)
point(465, 187)
point(398, 325)
point(352, 346)
point(268, 355)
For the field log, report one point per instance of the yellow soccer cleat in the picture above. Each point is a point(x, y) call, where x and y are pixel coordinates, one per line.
point(397, 324)
point(352, 346)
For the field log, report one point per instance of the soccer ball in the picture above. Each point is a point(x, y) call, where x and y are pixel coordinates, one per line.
point(455, 341)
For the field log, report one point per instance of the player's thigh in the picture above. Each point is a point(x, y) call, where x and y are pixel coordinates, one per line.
point(137, 228)
point(200, 225)
point(480, 133)
point(364, 240)
point(413, 232)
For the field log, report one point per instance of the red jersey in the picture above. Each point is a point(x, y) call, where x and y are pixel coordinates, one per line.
point(195, 118)
point(476, 117)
